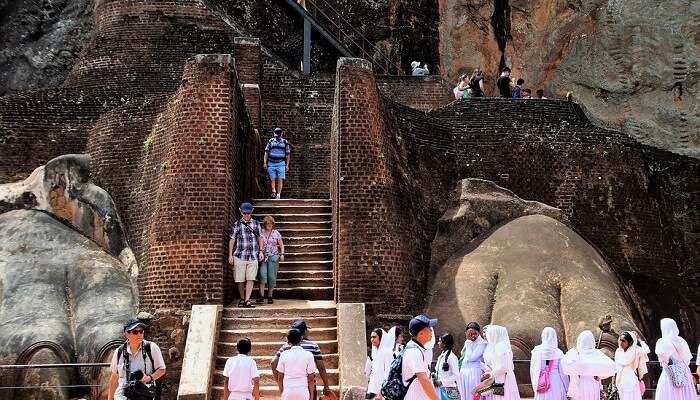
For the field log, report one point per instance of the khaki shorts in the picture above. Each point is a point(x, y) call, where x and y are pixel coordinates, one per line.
point(244, 270)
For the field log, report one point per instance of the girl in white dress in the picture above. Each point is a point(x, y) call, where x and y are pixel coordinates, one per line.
point(628, 358)
point(673, 349)
point(498, 358)
point(472, 359)
point(545, 357)
point(447, 369)
point(377, 366)
point(586, 367)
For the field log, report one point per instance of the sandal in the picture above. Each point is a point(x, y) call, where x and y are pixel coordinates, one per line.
point(241, 304)
point(249, 304)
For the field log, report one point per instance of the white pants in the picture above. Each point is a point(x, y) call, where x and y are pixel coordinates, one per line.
point(297, 393)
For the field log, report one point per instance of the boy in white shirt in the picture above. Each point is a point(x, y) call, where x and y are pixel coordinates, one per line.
point(242, 377)
point(414, 366)
point(296, 370)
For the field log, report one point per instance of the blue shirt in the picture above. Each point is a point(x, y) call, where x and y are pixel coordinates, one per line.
point(277, 149)
point(516, 92)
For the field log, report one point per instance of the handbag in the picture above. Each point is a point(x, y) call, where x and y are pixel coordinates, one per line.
point(543, 381)
point(610, 393)
point(485, 387)
point(676, 372)
point(449, 393)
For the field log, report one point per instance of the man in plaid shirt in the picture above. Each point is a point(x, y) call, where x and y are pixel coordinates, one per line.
point(245, 249)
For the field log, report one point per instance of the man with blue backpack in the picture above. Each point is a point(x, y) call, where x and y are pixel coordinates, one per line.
point(413, 364)
point(276, 161)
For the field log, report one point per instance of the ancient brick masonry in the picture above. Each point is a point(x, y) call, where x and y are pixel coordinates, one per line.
point(392, 166)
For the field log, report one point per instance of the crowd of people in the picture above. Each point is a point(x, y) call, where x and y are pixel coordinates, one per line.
point(484, 369)
point(473, 86)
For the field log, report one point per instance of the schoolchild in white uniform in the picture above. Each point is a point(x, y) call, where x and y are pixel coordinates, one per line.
point(414, 367)
point(242, 377)
point(296, 370)
point(447, 369)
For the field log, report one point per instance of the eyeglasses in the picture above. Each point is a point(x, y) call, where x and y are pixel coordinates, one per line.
point(136, 331)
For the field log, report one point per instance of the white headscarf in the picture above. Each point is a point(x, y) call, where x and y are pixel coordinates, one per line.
point(547, 350)
point(498, 346)
point(586, 360)
point(671, 344)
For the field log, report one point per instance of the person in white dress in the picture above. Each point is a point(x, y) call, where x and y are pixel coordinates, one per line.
point(498, 359)
point(628, 358)
point(471, 361)
point(673, 350)
point(447, 369)
point(545, 360)
point(586, 367)
point(378, 364)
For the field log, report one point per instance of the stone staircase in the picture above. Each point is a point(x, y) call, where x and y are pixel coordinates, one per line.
point(266, 326)
point(304, 291)
point(305, 225)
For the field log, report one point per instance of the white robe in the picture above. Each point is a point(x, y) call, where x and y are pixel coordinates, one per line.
point(472, 367)
point(583, 364)
point(673, 348)
point(548, 350)
point(498, 358)
point(378, 368)
point(627, 362)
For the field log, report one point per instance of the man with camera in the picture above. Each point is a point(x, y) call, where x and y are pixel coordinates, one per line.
point(136, 366)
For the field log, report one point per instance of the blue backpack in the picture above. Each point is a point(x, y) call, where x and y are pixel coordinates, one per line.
point(393, 387)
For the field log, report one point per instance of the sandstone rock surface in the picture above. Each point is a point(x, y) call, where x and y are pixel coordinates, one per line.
point(633, 64)
point(63, 298)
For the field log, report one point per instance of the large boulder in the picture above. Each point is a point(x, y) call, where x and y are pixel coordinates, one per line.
point(63, 298)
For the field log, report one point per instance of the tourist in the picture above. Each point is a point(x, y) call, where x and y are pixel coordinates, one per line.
point(295, 370)
point(415, 361)
point(379, 361)
point(498, 359)
point(518, 88)
point(545, 361)
point(309, 346)
point(245, 249)
point(527, 94)
point(627, 358)
point(273, 248)
point(276, 161)
point(417, 70)
point(241, 372)
point(136, 365)
point(673, 350)
point(586, 367)
point(476, 84)
point(400, 342)
point(447, 369)
point(462, 87)
point(503, 83)
point(472, 357)
point(540, 94)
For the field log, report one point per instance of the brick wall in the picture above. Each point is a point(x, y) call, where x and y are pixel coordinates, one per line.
point(424, 93)
point(393, 165)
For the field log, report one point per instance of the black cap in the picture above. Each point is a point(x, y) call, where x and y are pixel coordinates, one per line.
point(132, 324)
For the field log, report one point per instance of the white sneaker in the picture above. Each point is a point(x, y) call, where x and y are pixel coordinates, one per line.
point(278, 196)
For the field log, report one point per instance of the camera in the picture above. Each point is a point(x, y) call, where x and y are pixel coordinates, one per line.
point(135, 390)
point(445, 366)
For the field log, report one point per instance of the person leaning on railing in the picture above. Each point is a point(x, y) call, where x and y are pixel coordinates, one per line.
point(136, 366)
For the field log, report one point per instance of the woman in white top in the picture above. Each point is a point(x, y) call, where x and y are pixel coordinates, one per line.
point(673, 349)
point(586, 367)
point(377, 366)
point(545, 361)
point(471, 362)
point(498, 358)
point(447, 369)
point(628, 358)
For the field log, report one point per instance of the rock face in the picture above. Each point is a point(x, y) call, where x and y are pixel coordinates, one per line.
point(63, 298)
point(633, 64)
point(41, 40)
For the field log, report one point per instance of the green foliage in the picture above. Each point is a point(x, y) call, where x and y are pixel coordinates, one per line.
point(163, 165)
point(148, 143)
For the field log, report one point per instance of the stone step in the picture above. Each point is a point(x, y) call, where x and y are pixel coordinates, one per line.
point(305, 293)
point(304, 282)
point(303, 232)
point(291, 202)
point(285, 274)
point(273, 322)
point(308, 247)
point(308, 256)
point(297, 240)
point(296, 217)
point(297, 265)
point(297, 226)
point(269, 335)
point(228, 349)
point(271, 392)
point(263, 362)
point(267, 379)
point(283, 309)
point(291, 209)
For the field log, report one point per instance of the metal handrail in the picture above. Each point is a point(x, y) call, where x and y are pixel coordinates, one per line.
point(44, 366)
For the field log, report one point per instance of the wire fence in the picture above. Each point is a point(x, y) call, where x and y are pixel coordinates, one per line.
point(19, 368)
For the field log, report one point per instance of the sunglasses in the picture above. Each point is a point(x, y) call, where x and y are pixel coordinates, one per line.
point(136, 331)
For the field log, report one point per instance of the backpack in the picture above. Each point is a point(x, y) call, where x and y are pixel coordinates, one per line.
point(393, 387)
point(543, 381)
point(146, 352)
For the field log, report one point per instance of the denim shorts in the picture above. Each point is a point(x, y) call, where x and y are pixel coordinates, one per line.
point(267, 273)
point(276, 169)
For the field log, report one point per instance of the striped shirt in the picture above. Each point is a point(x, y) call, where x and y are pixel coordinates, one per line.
point(305, 344)
point(246, 239)
point(277, 150)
